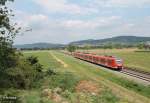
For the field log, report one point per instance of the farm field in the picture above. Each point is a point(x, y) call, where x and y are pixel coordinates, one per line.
point(131, 58)
point(114, 89)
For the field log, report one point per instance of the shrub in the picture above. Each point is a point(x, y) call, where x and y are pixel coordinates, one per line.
point(32, 60)
point(22, 75)
point(50, 72)
point(105, 96)
point(25, 74)
point(66, 81)
point(35, 62)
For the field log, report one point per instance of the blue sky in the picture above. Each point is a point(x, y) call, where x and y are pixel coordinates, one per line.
point(63, 21)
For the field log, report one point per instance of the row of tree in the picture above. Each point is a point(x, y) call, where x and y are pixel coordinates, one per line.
point(72, 48)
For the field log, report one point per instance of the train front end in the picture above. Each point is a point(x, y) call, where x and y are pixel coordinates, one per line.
point(119, 63)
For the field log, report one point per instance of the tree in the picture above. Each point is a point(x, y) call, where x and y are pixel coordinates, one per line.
point(8, 30)
point(33, 61)
point(3, 2)
point(7, 34)
point(15, 70)
point(140, 45)
point(71, 48)
point(87, 47)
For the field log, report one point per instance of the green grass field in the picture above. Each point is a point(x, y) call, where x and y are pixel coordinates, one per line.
point(131, 58)
point(45, 58)
point(127, 91)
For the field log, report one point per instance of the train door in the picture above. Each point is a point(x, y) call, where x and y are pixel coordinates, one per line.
point(94, 59)
point(103, 61)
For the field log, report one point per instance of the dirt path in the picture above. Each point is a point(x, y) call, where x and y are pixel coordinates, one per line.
point(59, 60)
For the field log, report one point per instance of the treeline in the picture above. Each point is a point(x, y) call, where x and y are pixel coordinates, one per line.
point(36, 48)
point(107, 46)
point(85, 47)
point(145, 46)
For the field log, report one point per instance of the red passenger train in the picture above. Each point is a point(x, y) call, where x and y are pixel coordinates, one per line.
point(107, 61)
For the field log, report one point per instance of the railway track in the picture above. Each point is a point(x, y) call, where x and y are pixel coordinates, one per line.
point(145, 76)
point(137, 74)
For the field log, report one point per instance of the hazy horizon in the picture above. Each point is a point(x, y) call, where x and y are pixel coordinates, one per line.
point(76, 40)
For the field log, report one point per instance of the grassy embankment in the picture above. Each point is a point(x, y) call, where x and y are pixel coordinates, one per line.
point(82, 67)
point(113, 89)
point(60, 87)
point(132, 59)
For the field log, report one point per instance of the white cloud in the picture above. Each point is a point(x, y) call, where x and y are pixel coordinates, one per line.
point(121, 3)
point(92, 24)
point(62, 6)
point(25, 19)
point(137, 28)
point(37, 18)
point(127, 3)
point(147, 19)
point(46, 30)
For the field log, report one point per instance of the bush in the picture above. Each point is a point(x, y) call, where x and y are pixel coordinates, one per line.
point(66, 81)
point(25, 74)
point(50, 72)
point(35, 62)
point(22, 75)
point(32, 60)
point(105, 96)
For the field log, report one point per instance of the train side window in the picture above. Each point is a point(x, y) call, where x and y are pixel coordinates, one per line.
point(86, 57)
point(97, 59)
point(109, 61)
point(94, 58)
point(103, 60)
point(91, 57)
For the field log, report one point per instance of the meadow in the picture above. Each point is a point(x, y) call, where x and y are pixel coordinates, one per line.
point(131, 57)
point(113, 88)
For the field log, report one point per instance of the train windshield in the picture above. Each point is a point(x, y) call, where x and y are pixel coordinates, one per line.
point(119, 61)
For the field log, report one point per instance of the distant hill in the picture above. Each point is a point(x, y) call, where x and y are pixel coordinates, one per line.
point(119, 39)
point(39, 45)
